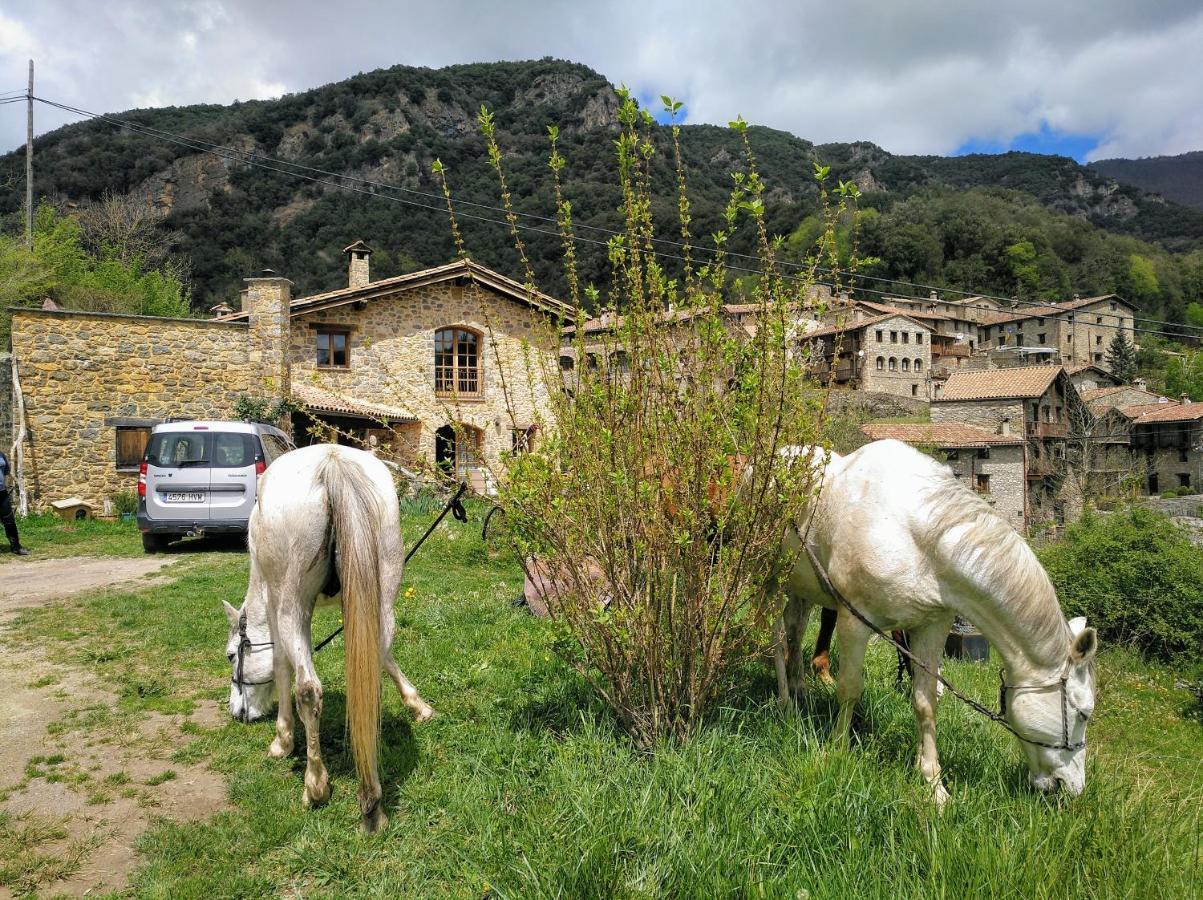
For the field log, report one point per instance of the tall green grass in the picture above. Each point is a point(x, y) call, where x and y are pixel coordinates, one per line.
point(523, 787)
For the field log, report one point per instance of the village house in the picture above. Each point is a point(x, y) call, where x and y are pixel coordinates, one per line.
point(414, 361)
point(991, 462)
point(889, 353)
point(1038, 401)
point(1077, 331)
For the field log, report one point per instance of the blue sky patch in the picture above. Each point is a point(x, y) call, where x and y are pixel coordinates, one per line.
point(655, 106)
point(1046, 140)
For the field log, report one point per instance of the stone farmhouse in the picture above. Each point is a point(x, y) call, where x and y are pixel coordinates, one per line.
point(992, 463)
point(1075, 332)
point(1039, 402)
point(414, 361)
point(890, 353)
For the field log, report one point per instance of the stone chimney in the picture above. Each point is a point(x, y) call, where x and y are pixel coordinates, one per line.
point(357, 264)
point(933, 296)
point(1140, 384)
point(220, 309)
point(1184, 399)
point(266, 299)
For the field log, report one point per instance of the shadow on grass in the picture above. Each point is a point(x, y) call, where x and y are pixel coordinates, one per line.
point(398, 749)
point(216, 543)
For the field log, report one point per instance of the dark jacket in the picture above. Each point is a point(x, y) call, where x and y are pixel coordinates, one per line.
point(4, 469)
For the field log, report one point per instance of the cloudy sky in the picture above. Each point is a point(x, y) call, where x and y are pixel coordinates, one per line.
point(1088, 79)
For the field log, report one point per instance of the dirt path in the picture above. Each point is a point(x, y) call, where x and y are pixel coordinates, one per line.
point(26, 580)
point(75, 769)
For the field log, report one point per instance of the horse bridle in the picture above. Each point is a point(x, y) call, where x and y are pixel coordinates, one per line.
point(1062, 684)
point(1000, 716)
point(245, 646)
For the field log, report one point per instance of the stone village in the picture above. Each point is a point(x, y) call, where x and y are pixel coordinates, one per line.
point(452, 364)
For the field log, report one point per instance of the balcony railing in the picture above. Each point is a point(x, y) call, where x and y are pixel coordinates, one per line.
point(1048, 429)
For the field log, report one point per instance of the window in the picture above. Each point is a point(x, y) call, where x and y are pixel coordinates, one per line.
point(457, 362)
point(232, 450)
point(175, 449)
point(456, 448)
point(567, 363)
point(1098, 320)
point(918, 365)
point(906, 337)
point(1058, 413)
point(131, 445)
point(893, 364)
point(1002, 340)
point(893, 337)
point(952, 455)
point(333, 348)
point(1048, 413)
point(1039, 321)
point(1040, 338)
point(522, 440)
point(1184, 479)
point(914, 390)
point(918, 337)
point(1182, 455)
point(1098, 340)
point(881, 363)
point(879, 333)
point(906, 364)
point(1098, 357)
point(983, 453)
point(1113, 306)
point(982, 484)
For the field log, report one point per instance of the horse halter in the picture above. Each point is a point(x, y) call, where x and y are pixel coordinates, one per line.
point(1060, 683)
point(245, 646)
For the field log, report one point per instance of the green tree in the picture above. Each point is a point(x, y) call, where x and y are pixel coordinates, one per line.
point(1121, 357)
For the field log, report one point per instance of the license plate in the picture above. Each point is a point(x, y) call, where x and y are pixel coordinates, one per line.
point(185, 497)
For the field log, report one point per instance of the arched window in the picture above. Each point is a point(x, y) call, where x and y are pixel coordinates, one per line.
point(893, 364)
point(567, 363)
point(457, 362)
point(881, 362)
point(918, 365)
point(906, 364)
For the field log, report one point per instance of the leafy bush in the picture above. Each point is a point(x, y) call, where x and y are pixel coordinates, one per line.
point(1136, 576)
point(124, 502)
point(656, 506)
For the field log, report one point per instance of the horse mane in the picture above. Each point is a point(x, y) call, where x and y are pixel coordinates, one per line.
point(991, 556)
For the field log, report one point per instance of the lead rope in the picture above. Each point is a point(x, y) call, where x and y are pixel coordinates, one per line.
point(454, 506)
point(968, 701)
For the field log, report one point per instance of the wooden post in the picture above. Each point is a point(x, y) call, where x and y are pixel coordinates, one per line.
point(29, 163)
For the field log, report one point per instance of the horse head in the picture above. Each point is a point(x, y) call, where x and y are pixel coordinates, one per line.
point(249, 650)
point(1051, 718)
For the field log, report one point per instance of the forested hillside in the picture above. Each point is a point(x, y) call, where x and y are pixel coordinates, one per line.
point(1178, 178)
point(1015, 224)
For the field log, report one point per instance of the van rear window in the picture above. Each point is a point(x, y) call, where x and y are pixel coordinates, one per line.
point(198, 449)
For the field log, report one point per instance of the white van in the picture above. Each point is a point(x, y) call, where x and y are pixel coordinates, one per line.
point(200, 477)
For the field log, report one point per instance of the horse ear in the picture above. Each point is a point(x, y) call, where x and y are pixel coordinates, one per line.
point(1084, 646)
point(1077, 626)
point(231, 613)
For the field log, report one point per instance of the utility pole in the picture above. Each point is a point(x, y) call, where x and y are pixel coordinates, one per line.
point(29, 163)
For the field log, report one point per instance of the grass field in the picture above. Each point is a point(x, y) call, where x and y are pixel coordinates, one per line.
point(522, 787)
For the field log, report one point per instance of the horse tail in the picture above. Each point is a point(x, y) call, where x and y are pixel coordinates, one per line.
point(354, 512)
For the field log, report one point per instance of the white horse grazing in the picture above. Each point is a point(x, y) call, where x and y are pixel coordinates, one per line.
point(311, 503)
point(911, 547)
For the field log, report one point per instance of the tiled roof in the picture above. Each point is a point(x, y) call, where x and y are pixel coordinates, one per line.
point(1136, 410)
point(896, 311)
point(862, 324)
point(1177, 412)
point(940, 434)
point(1099, 393)
point(1051, 309)
point(320, 400)
point(462, 268)
point(999, 384)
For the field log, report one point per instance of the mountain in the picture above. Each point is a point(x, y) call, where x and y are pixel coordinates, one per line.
point(1177, 178)
point(1034, 223)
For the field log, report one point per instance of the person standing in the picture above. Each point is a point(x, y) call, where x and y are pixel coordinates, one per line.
point(6, 509)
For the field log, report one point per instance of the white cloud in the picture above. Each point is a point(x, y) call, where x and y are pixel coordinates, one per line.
point(922, 76)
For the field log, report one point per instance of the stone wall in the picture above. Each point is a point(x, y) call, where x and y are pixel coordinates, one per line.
point(1007, 479)
point(392, 360)
point(83, 375)
point(983, 413)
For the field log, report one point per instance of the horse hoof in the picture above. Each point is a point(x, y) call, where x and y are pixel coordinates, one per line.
point(279, 750)
point(374, 821)
point(425, 714)
point(825, 677)
point(317, 795)
point(942, 796)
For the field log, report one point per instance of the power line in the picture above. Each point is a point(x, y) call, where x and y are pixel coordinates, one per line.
point(285, 167)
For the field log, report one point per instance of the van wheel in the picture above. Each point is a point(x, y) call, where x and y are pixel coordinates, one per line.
point(154, 543)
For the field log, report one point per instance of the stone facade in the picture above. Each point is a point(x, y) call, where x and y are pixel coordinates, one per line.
point(887, 354)
point(6, 402)
point(392, 352)
point(85, 375)
point(1005, 484)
